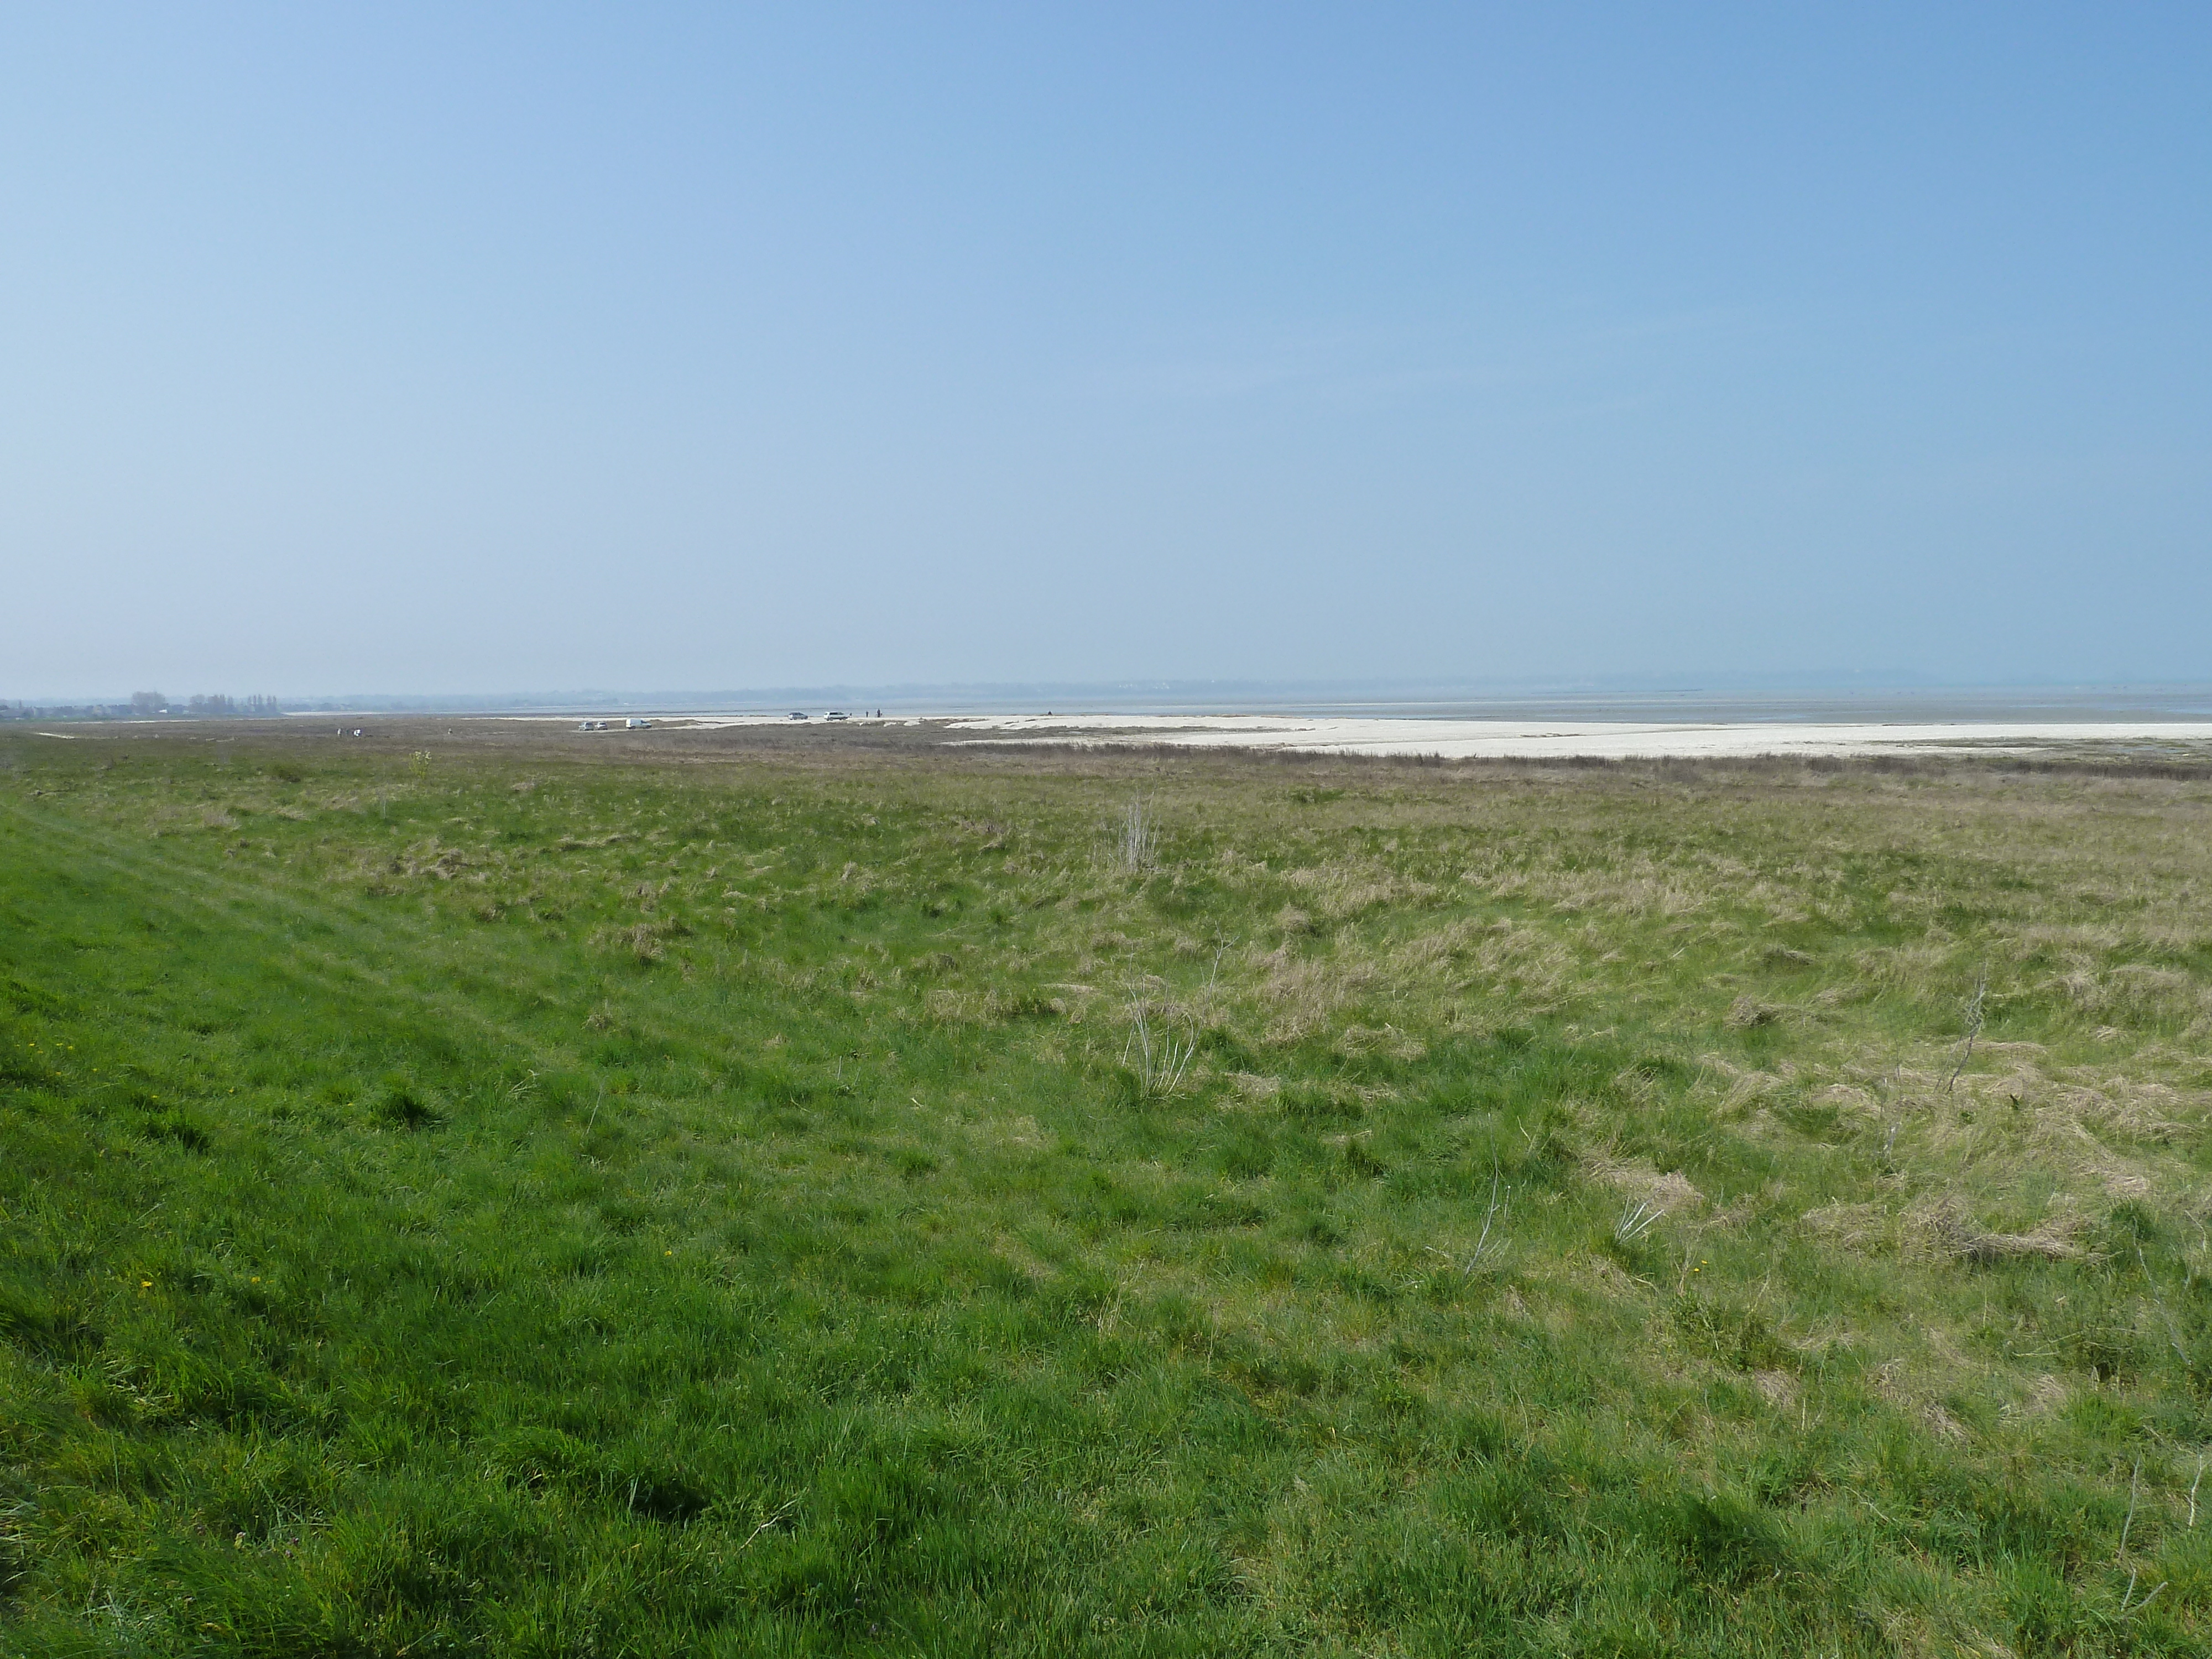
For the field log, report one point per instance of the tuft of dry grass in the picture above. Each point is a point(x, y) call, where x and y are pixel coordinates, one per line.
point(1945, 1222)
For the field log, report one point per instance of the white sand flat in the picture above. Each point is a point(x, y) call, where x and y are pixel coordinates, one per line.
point(1560, 740)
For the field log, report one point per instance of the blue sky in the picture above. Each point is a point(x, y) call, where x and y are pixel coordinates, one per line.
point(411, 349)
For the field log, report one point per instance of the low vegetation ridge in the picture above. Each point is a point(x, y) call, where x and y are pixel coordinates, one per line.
point(484, 1199)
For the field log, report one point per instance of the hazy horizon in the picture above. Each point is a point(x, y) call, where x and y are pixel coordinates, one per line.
point(1720, 699)
point(870, 346)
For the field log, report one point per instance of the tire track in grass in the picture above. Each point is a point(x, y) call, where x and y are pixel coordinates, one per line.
point(165, 886)
point(370, 931)
point(272, 911)
point(333, 973)
point(308, 905)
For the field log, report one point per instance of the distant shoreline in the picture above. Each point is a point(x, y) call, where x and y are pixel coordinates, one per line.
point(1493, 739)
point(1499, 739)
point(1722, 703)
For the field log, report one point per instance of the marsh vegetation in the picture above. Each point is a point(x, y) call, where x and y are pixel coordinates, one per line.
point(814, 1201)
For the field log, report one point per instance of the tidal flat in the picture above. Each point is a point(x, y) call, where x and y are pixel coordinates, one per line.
point(470, 1190)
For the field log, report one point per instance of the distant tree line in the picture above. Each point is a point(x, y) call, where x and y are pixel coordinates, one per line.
point(148, 705)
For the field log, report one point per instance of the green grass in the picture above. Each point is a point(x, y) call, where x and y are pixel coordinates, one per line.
point(501, 1204)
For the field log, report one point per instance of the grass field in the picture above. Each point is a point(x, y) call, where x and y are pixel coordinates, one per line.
point(492, 1197)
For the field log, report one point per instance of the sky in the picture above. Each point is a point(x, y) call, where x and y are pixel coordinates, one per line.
point(417, 349)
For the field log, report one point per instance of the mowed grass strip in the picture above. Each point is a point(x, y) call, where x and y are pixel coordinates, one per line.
point(507, 1205)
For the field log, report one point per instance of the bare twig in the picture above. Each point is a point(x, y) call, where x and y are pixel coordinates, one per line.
point(1484, 1249)
point(1973, 1028)
point(766, 1524)
point(1482, 1244)
point(1139, 841)
point(2128, 1594)
point(2135, 1490)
